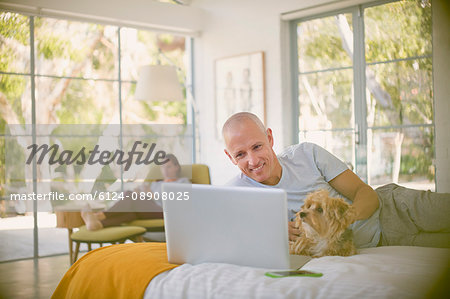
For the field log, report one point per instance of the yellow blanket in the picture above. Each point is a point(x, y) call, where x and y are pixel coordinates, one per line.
point(118, 271)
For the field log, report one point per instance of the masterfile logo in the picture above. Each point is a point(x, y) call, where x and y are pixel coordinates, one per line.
point(79, 162)
point(68, 157)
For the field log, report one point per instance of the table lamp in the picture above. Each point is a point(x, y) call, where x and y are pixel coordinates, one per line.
point(158, 83)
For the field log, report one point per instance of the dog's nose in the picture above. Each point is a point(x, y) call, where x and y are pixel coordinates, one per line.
point(302, 214)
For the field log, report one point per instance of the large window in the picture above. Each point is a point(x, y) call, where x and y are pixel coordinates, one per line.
point(365, 89)
point(60, 72)
point(79, 69)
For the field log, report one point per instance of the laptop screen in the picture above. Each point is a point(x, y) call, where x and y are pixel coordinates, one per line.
point(236, 225)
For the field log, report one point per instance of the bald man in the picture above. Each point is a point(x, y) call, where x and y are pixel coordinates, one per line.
point(306, 167)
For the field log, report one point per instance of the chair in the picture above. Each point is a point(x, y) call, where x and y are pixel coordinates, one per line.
point(197, 173)
point(113, 235)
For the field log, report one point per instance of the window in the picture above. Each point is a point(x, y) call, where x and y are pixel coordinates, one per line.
point(60, 72)
point(365, 90)
point(77, 73)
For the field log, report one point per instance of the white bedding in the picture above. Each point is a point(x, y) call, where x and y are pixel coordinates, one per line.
point(382, 272)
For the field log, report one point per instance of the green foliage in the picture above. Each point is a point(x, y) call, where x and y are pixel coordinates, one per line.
point(333, 92)
point(55, 39)
point(2, 167)
point(15, 26)
point(416, 165)
point(331, 48)
point(11, 164)
point(176, 109)
point(13, 87)
point(5, 58)
point(14, 33)
point(166, 38)
point(320, 45)
point(104, 58)
point(149, 40)
point(75, 101)
point(396, 30)
point(52, 47)
point(151, 113)
point(417, 157)
point(409, 84)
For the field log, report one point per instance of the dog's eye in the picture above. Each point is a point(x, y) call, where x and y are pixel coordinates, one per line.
point(319, 209)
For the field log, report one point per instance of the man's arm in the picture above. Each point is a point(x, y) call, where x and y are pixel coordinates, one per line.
point(364, 198)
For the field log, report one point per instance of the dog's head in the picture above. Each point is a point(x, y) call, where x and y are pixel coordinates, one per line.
point(324, 215)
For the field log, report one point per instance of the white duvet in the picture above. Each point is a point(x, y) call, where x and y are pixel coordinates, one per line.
point(382, 272)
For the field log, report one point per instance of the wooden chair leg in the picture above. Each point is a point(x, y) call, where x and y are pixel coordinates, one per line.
point(75, 255)
point(89, 246)
point(140, 239)
point(70, 245)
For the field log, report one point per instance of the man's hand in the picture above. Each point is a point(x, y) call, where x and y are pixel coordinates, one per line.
point(294, 232)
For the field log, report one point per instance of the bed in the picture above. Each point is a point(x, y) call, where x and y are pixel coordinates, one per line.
point(142, 271)
point(383, 272)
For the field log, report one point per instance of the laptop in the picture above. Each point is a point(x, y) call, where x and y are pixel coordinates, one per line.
point(235, 225)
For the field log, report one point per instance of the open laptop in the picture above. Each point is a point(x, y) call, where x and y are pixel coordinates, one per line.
point(235, 225)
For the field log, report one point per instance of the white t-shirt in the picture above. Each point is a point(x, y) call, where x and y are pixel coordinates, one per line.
point(307, 167)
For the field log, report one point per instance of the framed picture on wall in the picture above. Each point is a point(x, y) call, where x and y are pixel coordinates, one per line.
point(239, 86)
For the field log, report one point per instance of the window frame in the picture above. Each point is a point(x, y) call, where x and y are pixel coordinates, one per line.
point(361, 127)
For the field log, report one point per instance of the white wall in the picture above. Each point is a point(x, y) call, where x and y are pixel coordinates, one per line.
point(441, 74)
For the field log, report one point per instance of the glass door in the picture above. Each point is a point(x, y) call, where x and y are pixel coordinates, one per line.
point(325, 84)
point(400, 121)
point(365, 90)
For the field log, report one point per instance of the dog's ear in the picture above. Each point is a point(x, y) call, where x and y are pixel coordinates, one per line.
point(343, 209)
point(340, 211)
point(349, 215)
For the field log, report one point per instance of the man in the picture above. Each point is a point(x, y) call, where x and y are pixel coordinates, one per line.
point(299, 170)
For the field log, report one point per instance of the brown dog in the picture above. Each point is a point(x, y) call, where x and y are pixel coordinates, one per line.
point(323, 222)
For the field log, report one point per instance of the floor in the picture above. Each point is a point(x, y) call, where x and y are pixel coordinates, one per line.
point(29, 278)
point(32, 278)
point(36, 279)
point(16, 235)
point(18, 244)
point(17, 241)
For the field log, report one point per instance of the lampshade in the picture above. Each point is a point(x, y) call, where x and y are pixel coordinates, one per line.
point(158, 83)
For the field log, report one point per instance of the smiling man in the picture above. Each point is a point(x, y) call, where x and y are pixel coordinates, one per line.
point(299, 170)
point(407, 216)
point(249, 146)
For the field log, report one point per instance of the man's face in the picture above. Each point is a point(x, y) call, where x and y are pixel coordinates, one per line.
point(250, 149)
